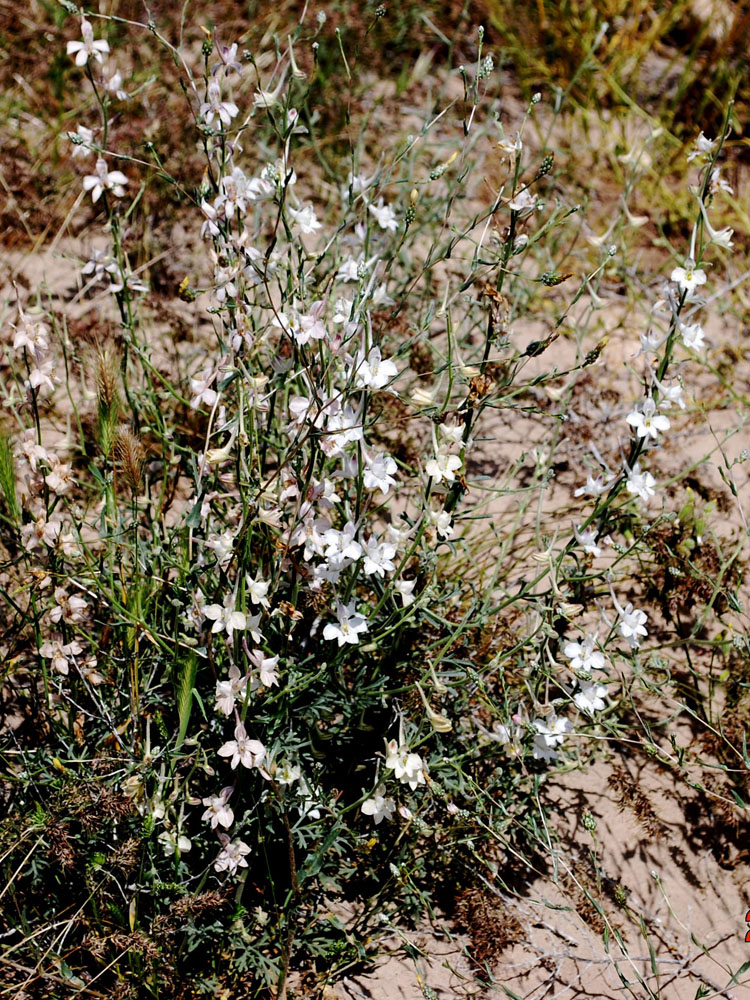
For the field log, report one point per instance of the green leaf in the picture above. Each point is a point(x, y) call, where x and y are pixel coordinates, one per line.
point(8, 478)
point(652, 953)
point(194, 517)
point(742, 969)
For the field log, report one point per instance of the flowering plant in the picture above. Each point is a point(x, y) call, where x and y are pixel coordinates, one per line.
point(257, 596)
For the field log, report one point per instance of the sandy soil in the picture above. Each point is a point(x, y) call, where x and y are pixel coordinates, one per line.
point(681, 924)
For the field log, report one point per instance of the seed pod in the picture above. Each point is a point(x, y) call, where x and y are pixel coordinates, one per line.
point(107, 379)
point(130, 456)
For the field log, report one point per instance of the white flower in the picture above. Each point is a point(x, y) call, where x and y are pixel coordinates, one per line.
point(349, 626)
point(342, 310)
point(451, 432)
point(218, 812)
point(703, 147)
point(671, 394)
point(443, 467)
point(200, 386)
point(286, 773)
point(31, 451)
point(88, 48)
point(632, 625)
point(407, 766)
point(378, 557)
point(549, 734)
point(651, 341)
point(268, 98)
point(210, 218)
point(640, 483)
point(510, 147)
point(229, 61)
point(256, 590)
point(584, 656)
point(692, 336)
point(104, 180)
point(172, 842)
point(648, 421)
point(355, 183)
point(305, 219)
point(310, 531)
point(587, 539)
point(718, 183)
point(42, 377)
point(101, 266)
point(379, 806)
point(689, 277)
point(405, 590)
point(249, 753)
point(114, 86)
point(232, 857)
point(30, 335)
point(42, 530)
point(343, 427)
point(374, 371)
point(593, 487)
point(509, 736)
point(524, 203)
point(384, 215)
point(308, 806)
point(225, 617)
point(89, 673)
point(441, 521)
point(81, 139)
point(310, 326)
point(590, 697)
point(341, 546)
point(222, 545)
point(354, 270)
point(721, 237)
point(379, 472)
point(380, 297)
point(236, 191)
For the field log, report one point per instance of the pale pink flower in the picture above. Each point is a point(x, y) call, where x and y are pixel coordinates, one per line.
point(60, 654)
point(59, 478)
point(218, 811)
point(69, 608)
point(249, 753)
point(214, 107)
point(103, 180)
point(232, 857)
point(228, 691)
point(266, 667)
